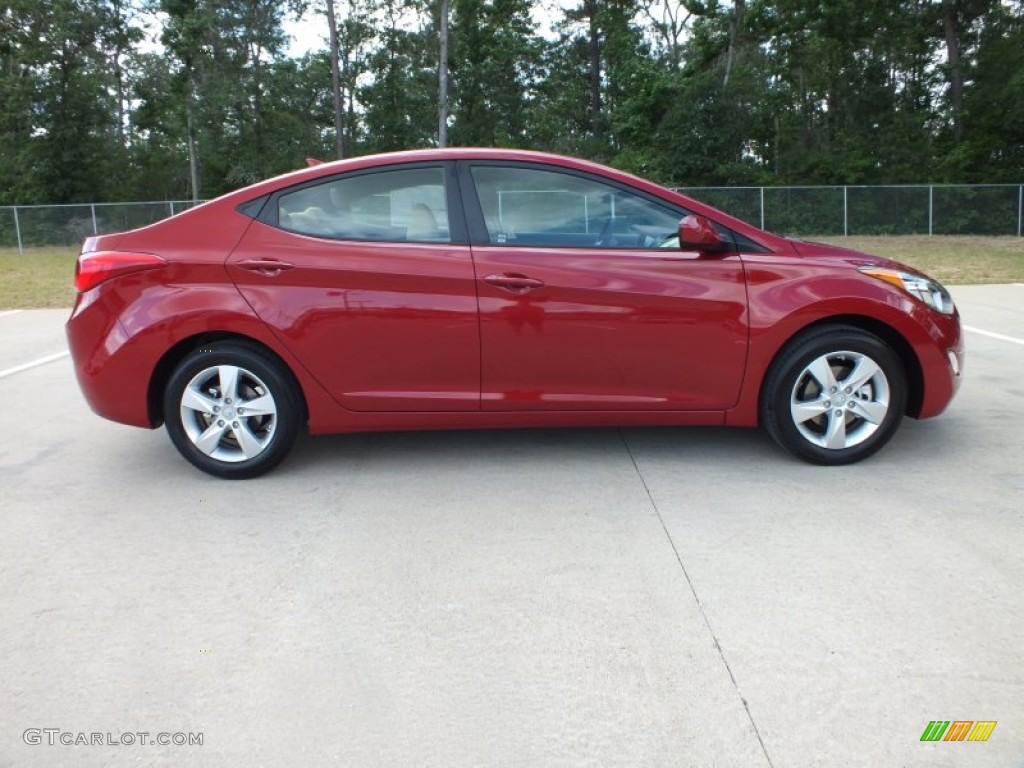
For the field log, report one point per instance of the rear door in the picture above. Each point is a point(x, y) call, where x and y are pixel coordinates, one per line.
point(368, 279)
point(586, 301)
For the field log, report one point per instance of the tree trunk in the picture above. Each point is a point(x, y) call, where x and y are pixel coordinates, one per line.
point(190, 130)
point(590, 9)
point(339, 127)
point(118, 18)
point(119, 87)
point(442, 91)
point(951, 26)
point(735, 24)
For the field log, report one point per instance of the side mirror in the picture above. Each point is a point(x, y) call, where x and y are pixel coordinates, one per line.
point(697, 233)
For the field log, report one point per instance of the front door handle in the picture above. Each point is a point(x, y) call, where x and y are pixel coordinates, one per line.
point(268, 267)
point(513, 282)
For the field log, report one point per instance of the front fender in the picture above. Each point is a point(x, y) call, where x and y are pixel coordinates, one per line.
point(786, 300)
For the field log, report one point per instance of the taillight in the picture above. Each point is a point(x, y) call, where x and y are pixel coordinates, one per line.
point(99, 266)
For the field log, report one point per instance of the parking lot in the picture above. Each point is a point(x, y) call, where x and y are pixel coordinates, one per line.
point(636, 597)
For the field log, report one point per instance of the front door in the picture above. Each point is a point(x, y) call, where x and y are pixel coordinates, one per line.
point(587, 303)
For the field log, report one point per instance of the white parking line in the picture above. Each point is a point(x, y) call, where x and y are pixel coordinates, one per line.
point(992, 335)
point(10, 312)
point(33, 364)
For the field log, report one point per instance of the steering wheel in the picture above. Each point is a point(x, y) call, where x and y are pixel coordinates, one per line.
point(615, 225)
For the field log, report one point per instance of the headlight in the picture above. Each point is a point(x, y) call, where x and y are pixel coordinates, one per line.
point(921, 288)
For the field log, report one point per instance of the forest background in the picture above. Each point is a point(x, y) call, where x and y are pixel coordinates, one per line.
point(110, 100)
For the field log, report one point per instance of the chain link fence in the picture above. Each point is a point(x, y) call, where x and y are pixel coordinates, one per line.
point(979, 209)
point(29, 226)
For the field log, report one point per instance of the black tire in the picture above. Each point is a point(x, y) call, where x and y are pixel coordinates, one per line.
point(855, 421)
point(208, 431)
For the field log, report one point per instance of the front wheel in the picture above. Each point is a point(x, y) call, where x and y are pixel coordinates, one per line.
point(232, 410)
point(834, 396)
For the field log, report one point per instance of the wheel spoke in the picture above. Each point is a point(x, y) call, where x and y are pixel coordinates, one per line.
point(862, 373)
point(840, 400)
point(871, 410)
point(260, 406)
point(835, 435)
point(249, 444)
point(228, 375)
point(806, 410)
point(210, 439)
point(197, 401)
point(226, 427)
point(822, 372)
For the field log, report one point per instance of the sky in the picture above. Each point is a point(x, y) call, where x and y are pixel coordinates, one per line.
point(309, 33)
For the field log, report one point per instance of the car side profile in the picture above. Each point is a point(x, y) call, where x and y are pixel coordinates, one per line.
point(482, 288)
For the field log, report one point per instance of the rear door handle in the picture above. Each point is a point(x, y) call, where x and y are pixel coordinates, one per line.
point(515, 283)
point(268, 267)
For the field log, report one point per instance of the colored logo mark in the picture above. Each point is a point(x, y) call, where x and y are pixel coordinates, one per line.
point(958, 730)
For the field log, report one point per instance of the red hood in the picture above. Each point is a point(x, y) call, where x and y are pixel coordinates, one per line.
point(854, 258)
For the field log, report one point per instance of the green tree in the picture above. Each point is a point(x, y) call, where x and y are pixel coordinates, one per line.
point(55, 116)
point(992, 149)
point(494, 45)
point(401, 100)
point(691, 93)
point(589, 73)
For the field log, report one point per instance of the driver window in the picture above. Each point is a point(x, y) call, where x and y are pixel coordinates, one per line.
point(528, 207)
point(398, 206)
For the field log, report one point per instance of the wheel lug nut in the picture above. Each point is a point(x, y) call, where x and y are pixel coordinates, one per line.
point(241, 410)
point(234, 424)
point(228, 401)
point(839, 412)
point(848, 390)
point(216, 409)
point(220, 422)
point(833, 391)
point(852, 404)
point(828, 403)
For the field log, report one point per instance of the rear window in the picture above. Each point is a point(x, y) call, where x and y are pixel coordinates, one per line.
point(407, 205)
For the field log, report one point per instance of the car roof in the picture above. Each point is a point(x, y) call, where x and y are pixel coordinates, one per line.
point(330, 168)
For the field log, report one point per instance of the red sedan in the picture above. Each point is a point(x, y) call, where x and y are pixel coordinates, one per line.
point(494, 288)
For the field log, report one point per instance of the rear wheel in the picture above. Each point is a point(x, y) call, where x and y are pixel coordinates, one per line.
point(834, 396)
point(232, 410)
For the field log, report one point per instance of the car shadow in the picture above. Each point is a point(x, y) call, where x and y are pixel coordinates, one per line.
point(479, 448)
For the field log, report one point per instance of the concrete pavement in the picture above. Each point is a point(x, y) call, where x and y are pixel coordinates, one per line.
point(643, 597)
